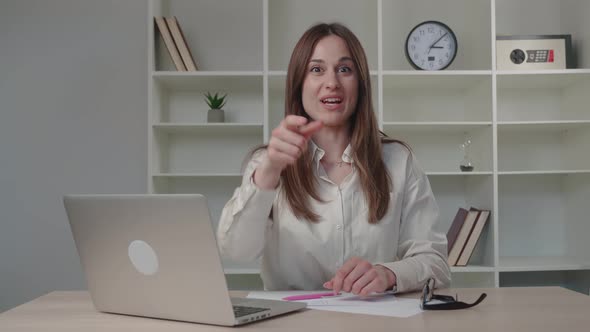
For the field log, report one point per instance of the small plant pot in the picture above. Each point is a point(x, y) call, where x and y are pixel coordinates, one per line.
point(215, 115)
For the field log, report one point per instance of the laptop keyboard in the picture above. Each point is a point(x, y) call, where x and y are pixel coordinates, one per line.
point(240, 310)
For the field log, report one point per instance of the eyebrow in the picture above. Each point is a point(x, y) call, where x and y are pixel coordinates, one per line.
point(344, 58)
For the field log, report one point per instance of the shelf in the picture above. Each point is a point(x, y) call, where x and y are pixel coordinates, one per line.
point(393, 73)
point(278, 73)
point(545, 126)
point(208, 81)
point(241, 271)
point(438, 127)
point(458, 173)
point(536, 73)
point(431, 74)
point(210, 128)
point(427, 81)
point(283, 73)
point(471, 268)
point(546, 172)
point(170, 74)
point(522, 264)
point(197, 175)
point(277, 81)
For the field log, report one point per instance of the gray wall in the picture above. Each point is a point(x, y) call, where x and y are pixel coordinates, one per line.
point(73, 119)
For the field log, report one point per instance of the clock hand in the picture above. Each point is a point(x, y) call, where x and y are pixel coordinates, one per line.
point(441, 37)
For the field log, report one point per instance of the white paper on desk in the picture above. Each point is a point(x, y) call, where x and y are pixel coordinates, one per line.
point(378, 304)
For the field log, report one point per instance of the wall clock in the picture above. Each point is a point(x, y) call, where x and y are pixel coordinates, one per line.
point(431, 45)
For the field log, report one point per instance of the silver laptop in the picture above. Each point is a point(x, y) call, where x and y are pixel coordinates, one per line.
point(157, 256)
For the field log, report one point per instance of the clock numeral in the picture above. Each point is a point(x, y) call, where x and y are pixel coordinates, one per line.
point(416, 39)
point(447, 55)
point(430, 30)
point(421, 32)
point(413, 47)
point(446, 38)
point(416, 56)
point(440, 62)
point(431, 64)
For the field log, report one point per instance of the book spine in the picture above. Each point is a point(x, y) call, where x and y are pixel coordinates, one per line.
point(172, 50)
point(473, 238)
point(181, 43)
point(473, 225)
point(466, 229)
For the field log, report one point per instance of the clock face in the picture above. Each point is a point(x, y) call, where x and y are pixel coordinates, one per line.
point(431, 45)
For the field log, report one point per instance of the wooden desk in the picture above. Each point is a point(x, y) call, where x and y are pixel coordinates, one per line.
point(505, 309)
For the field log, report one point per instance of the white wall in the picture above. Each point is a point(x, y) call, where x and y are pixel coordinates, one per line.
point(73, 119)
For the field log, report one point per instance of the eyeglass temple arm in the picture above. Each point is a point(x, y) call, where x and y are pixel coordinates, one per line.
point(453, 305)
point(481, 298)
point(478, 301)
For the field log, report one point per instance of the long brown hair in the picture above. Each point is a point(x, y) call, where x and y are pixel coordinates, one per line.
point(366, 139)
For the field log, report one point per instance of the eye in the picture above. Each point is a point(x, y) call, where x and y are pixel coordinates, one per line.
point(315, 69)
point(344, 69)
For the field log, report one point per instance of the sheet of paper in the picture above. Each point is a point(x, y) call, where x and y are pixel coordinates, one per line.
point(378, 304)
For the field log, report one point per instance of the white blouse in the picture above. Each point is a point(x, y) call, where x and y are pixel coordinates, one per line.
point(298, 254)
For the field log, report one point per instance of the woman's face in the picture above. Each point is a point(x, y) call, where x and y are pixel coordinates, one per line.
point(330, 87)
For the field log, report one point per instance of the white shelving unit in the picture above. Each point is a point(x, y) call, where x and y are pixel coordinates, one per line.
point(530, 130)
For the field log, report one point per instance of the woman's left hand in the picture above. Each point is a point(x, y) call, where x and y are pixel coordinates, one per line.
point(360, 277)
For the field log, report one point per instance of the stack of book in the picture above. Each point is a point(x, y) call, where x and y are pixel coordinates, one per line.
point(464, 233)
point(176, 43)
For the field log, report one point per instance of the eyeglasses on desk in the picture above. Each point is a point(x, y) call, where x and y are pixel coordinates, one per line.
point(447, 302)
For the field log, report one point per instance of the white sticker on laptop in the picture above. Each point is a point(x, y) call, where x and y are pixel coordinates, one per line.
point(143, 257)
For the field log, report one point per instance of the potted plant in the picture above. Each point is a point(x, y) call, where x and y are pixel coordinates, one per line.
point(216, 103)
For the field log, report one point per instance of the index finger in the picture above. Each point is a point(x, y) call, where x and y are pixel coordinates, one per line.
point(310, 128)
point(341, 274)
point(294, 121)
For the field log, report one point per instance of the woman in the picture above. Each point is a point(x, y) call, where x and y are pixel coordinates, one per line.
point(331, 201)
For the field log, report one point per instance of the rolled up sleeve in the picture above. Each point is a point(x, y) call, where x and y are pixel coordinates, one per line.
point(245, 217)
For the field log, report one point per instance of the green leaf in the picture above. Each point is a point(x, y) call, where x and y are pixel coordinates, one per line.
point(215, 101)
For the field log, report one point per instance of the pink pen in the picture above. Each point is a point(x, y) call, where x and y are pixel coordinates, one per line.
point(309, 296)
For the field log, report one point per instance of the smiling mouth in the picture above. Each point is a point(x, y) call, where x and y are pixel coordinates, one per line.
point(331, 101)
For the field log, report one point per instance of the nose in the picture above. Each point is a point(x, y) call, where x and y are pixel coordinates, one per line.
point(332, 80)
